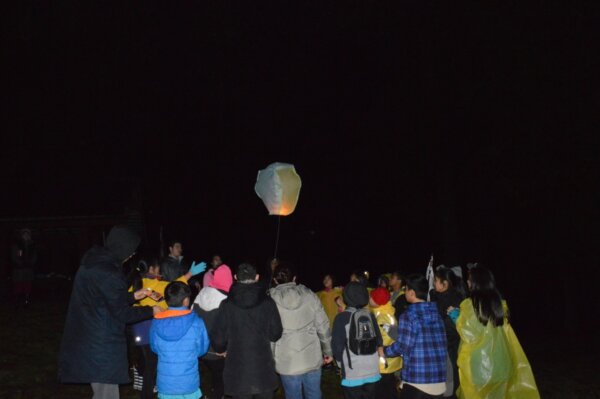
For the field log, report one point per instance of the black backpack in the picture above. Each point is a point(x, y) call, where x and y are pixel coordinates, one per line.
point(362, 336)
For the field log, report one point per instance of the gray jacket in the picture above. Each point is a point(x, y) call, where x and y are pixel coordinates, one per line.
point(306, 335)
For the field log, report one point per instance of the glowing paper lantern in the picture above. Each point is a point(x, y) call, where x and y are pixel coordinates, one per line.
point(278, 185)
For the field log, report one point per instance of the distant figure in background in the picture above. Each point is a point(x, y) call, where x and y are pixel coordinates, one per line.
point(247, 325)
point(94, 343)
point(23, 259)
point(306, 344)
point(396, 285)
point(398, 299)
point(328, 296)
point(176, 250)
point(178, 336)
point(207, 306)
point(383, 281)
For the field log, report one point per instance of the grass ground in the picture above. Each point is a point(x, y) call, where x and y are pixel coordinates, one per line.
point(29, 342)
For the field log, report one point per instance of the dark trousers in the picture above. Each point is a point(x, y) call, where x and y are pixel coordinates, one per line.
point(365, 391)
point(386, 387)
point(264, 395)
point(453, 354)
point(410, 392)
point(216, 371)
point(148, 364)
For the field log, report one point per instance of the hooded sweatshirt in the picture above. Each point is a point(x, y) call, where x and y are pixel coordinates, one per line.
point(178, 336)
point(246, 326)
point(306, 335)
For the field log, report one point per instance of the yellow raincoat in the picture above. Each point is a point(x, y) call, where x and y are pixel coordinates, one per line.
point(386, 322)
point(158, 286)
point(491, 361)
point(328, 300)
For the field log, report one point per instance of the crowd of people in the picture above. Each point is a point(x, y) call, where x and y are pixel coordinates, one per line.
point(407, 337)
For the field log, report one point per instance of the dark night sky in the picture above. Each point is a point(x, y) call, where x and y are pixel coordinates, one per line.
point(416, 127)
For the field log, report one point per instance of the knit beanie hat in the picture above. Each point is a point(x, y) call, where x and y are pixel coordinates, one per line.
point(355, 295)
point(380, 296)
point(122, 242)
point(222, 278)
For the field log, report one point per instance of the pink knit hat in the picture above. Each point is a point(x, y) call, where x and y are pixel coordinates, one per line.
point(222, 279)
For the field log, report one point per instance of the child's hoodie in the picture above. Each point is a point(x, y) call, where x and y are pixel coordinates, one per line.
point(178, 336)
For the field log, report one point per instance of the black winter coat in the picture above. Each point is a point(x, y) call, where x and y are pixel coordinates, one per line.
point(94, 346)
point(246, 326)
point(443, 300)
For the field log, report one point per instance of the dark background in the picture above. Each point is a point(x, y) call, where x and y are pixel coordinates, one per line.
point(417, 127)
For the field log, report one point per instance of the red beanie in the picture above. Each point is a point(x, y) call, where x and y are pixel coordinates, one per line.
point(222, 278)
point(380, 296)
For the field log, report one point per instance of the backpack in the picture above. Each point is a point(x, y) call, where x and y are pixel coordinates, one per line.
point(362, 338)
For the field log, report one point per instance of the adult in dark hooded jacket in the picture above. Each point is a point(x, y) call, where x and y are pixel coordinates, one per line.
point(94, 343)
point(247, 325)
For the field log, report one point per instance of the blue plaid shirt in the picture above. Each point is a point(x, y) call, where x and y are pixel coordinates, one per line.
point(422, 344)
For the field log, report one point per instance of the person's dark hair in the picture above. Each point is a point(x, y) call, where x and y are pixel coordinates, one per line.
point(284, 273)
point(383, 279)
point(140, 269)
point(245, 272)
point(445, 274)
point(176, 292)
point(362, 277)
point(332, 277)
point(170, 269)
point(419, 284)
point(487, 301)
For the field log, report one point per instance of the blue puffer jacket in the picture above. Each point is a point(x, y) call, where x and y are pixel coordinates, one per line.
point(178, 336)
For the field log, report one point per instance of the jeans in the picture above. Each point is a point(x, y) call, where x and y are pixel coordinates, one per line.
point(310, 383)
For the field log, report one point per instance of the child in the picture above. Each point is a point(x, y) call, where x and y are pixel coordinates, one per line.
point(421, 343)
point(359, 360)
point(148, 277)
point(449, 291)
point(178, 336)
point(388, 327)
point(491, 361)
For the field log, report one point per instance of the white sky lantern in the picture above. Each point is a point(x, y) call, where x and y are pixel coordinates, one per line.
point(278, 185)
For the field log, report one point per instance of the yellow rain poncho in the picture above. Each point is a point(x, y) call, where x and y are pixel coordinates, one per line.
point(491, 361)
point(328, 300)
point(386, 322)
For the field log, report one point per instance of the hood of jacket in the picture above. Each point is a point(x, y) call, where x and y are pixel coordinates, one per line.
point(99, 256)
point(122, 242)
point(424, 312)
point(247, 295)
point(173, 328)
point(289, 296)
point(209, 298)
point(355, 295)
